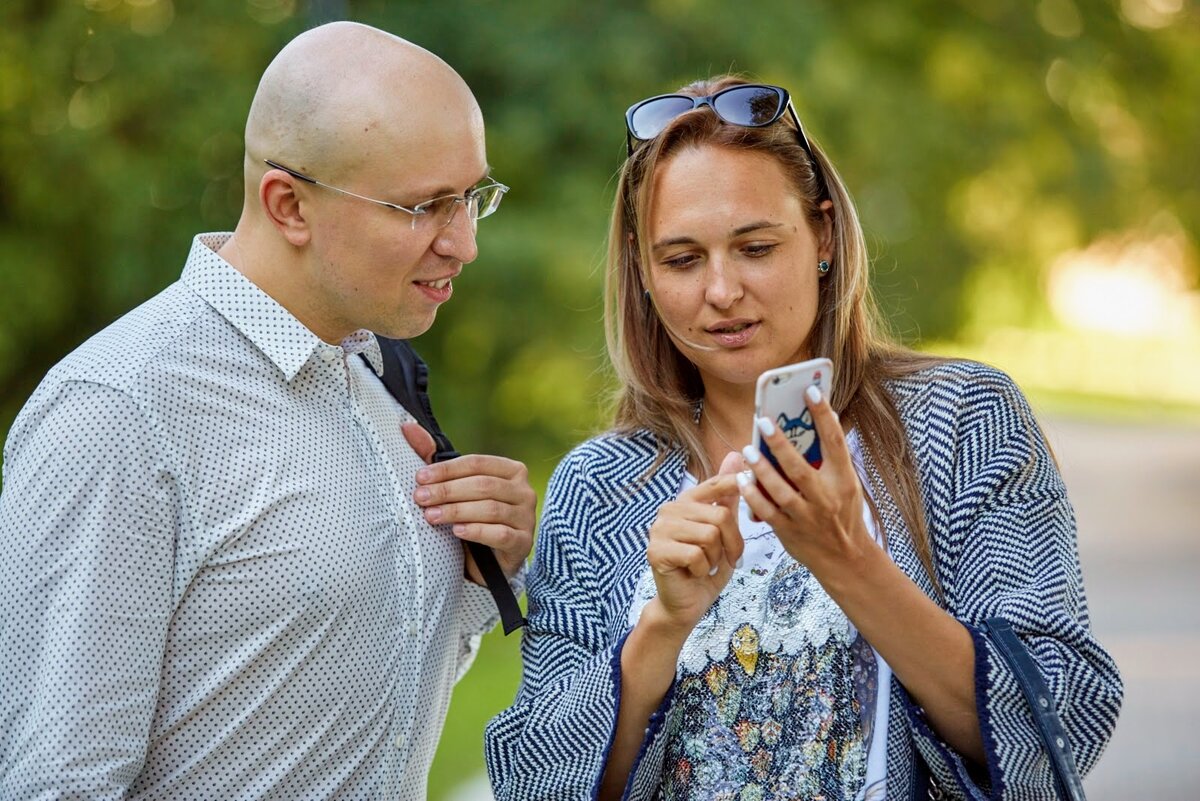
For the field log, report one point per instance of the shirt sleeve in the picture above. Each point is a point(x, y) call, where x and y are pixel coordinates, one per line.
point(553, 742)
point(479, 616)
point(87, 534)
point(1009, 549)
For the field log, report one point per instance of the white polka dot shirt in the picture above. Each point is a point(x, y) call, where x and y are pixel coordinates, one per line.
point(214, 583)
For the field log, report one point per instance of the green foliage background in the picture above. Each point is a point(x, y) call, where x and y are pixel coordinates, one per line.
point(980, 140)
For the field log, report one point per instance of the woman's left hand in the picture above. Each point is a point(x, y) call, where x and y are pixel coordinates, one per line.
point(818, 516)
point(817, 513)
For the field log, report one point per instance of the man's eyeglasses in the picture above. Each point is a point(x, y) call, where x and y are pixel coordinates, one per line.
point(481, 201)
point(747, 105)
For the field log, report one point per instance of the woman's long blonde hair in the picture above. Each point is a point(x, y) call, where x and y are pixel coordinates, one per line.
point(660, 389)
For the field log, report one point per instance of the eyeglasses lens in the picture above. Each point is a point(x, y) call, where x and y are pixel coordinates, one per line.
point(487, 200)
point(649, 119)
point(751, 106)
point(480, 203)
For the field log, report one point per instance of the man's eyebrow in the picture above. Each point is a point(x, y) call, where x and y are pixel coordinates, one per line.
point(450, 190)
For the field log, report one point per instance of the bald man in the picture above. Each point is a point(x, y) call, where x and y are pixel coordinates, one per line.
point(225, 569)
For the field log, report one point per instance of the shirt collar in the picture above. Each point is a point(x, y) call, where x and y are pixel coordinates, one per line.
point(364, 342)
point(275, 331)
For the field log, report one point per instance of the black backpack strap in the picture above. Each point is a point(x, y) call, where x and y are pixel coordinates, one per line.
point(407, 379)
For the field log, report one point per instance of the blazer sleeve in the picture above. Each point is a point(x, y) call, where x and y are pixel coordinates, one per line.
point(553, 742)
point(1005, 543)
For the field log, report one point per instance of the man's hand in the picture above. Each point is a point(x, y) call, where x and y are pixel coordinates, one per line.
point(485, 499)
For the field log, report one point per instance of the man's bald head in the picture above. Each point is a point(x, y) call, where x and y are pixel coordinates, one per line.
point(345, 95)
point(370, 114)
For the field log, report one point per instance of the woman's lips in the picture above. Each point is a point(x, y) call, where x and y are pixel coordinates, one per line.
point(734, 336)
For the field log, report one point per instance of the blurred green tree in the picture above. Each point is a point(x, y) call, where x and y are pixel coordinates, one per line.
point(980, 139)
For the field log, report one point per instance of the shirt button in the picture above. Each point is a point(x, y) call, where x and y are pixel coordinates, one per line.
point(412, 629)
point(400, 741)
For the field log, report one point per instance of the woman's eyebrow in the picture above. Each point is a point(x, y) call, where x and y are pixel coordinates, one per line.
point(755, 226)
point(675, 240)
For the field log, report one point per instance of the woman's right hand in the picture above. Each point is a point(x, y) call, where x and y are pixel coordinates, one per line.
point(694, 545)
point(691, 536)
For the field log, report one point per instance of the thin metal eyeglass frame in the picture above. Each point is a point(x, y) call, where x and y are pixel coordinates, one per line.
point(708, 100)
point(419, 210)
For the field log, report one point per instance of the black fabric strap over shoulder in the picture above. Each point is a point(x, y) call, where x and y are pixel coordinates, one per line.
point(407, 379)
point(1041, 702)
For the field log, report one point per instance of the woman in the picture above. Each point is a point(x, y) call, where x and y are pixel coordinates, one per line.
point(747, 632)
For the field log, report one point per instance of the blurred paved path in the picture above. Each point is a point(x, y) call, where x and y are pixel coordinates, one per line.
point(1136, 492)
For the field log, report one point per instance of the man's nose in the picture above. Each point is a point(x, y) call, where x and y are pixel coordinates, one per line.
point(457, 239)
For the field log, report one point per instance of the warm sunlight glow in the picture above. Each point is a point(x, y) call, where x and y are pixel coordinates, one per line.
point(1126, 286)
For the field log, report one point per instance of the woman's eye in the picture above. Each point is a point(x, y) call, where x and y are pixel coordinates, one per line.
point(680, 261)
point(759, 249)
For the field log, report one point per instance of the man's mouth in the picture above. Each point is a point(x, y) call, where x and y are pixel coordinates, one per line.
point(439, 284)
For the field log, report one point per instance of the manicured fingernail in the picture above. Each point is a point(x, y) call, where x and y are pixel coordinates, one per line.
point(713, 570)
point(423, 475)
point(741, 561)
point(459, 529)
point(750, 455)
point(745, 479)
point(765, 426)
point(421, 494)
point(433, 514)
point(813, 393)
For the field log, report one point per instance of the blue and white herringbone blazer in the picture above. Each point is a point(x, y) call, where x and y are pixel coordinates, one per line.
point(1003, 535)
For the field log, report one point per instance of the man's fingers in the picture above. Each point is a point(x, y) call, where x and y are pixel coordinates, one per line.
point(473, 488)
point(473, 464)
point(510, 545)
point(483, 510)
point(419, 440)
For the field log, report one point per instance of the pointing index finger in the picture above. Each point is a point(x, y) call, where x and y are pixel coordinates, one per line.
point(715, 489)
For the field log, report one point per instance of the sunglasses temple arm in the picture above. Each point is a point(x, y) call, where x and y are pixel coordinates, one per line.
point(812, 157)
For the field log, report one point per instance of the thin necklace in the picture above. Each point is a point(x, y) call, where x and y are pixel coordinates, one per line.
point(716, 430)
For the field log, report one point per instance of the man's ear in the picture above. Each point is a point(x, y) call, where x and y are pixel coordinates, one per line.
point(277, 195)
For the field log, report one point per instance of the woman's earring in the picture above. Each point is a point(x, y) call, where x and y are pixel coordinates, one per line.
point(822, 267)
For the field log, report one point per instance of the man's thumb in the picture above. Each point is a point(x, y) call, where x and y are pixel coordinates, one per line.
point(419, 440)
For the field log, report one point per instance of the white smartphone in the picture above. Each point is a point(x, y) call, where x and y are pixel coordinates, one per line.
point(779, 397)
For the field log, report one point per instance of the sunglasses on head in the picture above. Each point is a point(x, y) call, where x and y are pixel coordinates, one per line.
point(751, 105)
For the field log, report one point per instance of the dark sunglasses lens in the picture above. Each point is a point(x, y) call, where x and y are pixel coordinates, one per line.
point(648, 120)
point(751, 106)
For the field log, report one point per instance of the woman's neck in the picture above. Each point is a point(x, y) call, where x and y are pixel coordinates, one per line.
point(726, 422)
